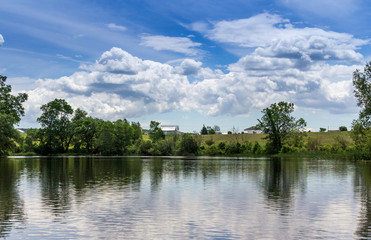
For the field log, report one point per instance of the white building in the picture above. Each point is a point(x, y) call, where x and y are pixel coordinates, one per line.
point(170, 129)
point(251, 131)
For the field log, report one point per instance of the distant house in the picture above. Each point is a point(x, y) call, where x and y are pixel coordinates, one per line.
point(307, 130)
point(170, 129)
point(252, 131)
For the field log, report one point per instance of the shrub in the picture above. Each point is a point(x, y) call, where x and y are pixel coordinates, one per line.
point(144, 147)
point(221, 145)
point(342, 142)
point(212, 151)
point(165, 147)
point(232, 148)
point(313, 144)
point(209, 142)
point(257, 149)
point(188, 145)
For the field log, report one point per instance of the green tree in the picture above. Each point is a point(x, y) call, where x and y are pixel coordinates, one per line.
point(155, 132)
point(362, 92)
point(322, 129)
point(137, 131)
point(278, 123)
point(203, 130)
point(11, 111)
point(343, 128)
point(56, 126)
point(85, 130)
point(361, 127)
point(106, 138)
point(31, 140)
point(211, 131)
point(188, 145)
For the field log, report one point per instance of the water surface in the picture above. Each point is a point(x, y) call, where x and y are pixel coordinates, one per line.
point(177, 198)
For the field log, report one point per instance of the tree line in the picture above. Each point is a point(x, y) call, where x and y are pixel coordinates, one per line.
point(65, 130)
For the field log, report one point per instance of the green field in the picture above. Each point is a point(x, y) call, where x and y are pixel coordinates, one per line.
point(324, 138)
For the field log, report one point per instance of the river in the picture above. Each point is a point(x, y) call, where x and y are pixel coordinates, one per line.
point(180, 198)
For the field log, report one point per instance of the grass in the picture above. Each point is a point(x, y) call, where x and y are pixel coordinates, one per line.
point(241, 138)
point(325, 138)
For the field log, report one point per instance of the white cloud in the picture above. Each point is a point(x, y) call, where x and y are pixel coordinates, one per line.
point(175, 44)
point(189, 67)
point(120, 85)
point(271, 35)
point(1, 40)
point(113, 26)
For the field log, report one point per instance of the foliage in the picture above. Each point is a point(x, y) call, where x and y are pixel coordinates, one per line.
point(57, 131)
point(203, 130)
point(188, 145)
point(313, 144)
point(343, 128)
point(8, 134)
point(322, 129)
point(257, 149)
point(209, 142)
point(155, 132)
point(362, 92)
point(221, 145)
point(211, 131)
point(361, 127)
point(278, 123)
point(11, 111)
point(11, 105)
point(85, 132)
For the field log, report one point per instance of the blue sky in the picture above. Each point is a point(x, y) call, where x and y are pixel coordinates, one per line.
point(187, 62)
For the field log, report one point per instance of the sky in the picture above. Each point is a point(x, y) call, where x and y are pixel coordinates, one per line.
point(187, 62)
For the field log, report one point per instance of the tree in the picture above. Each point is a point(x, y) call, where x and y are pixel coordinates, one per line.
point(361, 127)
point(105, 142)
point(278, 123)
point(84, 131)
point(211, 131)
point(11, 111)
point(362, 92)
point(155, 133)
point(56, 126)
point(203, 130)
point(188, 145)
point(322, 129)
point(343, 128)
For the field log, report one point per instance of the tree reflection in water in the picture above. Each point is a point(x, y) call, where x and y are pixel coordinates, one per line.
point(281, 179)
point(362, 187)
point(11, 204)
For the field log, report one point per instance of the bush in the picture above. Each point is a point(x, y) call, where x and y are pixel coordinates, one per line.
point(221, 145)
point(188, 145)
point(257, 149)
point(144, 147)
point(313, 144)
point(248, 147)
point(212, 151)
point(209, 142)
point(232, 148)
point(165, 147)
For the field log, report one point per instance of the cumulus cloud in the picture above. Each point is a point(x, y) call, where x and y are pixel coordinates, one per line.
point(113, 26)
point(1, 40)
point(293, 69)
point(189, 67)
point(175, 44)
point(273, 36)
